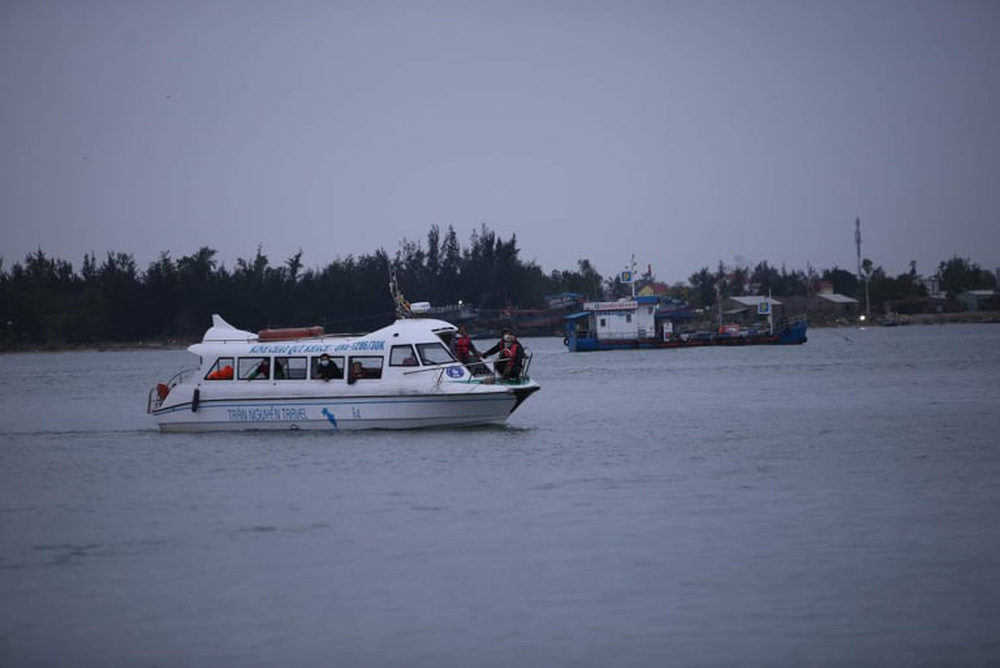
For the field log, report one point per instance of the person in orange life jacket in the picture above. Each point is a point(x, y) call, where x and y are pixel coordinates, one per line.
point(499, 344)
point(511, 356)
point(225, 373)
point(466, 353)
point(461, 345)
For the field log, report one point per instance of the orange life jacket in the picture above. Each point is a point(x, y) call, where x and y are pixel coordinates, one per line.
point(225, 373)
point(462, 346)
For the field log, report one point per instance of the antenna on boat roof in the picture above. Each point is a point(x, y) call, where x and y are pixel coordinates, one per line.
point(402, 306)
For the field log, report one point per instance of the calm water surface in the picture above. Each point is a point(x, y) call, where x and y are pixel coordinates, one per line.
point(833, 504)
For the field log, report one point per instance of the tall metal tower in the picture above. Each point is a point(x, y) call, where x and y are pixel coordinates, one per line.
point(857, 242)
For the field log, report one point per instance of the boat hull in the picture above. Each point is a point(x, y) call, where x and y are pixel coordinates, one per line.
point(408, 411)
point(794, 335)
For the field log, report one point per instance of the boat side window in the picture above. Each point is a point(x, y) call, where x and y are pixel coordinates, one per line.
point(434, 353)
point(370, 367)
point(221, 370)
point(402, 356)
point(254, 368)
point(333, 370)
point(290, 368)
point(604, 323)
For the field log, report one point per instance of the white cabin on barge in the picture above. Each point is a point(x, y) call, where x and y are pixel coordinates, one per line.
point(399, 377)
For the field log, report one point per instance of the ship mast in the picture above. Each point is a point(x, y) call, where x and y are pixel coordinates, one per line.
point(402, 306)
point(632, 269)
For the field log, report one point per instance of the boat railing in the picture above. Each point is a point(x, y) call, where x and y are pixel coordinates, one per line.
point(154, 400)
point(160, 391)
point(493, 377)
point(182, 376)
point(527, 363)
point(480, 371)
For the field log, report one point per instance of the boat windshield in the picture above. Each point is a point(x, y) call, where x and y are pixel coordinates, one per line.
point(434, 353)
point(402, 356)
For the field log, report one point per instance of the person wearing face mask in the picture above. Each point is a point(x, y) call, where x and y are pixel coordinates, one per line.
point(326, 368)
point(511, 356)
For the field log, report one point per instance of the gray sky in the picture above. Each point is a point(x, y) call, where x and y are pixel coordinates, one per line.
point(683, 132)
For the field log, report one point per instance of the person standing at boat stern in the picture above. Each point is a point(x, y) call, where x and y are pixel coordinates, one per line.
point(511, 355)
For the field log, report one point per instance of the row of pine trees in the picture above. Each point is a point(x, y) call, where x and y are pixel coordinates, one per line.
point(44, 300)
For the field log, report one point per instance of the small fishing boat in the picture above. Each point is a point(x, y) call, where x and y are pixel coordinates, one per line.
point(402, 376)
point(639, 323)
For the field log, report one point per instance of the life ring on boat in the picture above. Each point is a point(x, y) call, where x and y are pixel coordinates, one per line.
point(162, 390)
point(286, 333)
point(565, 340)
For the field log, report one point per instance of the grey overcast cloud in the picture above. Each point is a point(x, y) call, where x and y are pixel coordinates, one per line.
point(683, 132)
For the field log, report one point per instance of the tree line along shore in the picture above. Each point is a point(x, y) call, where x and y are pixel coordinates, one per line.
point(47, 304)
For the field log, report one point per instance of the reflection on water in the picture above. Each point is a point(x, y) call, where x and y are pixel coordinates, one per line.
point(831, 504)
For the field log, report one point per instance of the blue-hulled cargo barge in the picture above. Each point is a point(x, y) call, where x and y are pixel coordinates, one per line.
point(639, 322)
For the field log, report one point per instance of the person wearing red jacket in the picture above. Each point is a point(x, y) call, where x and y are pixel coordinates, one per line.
point(511, 356)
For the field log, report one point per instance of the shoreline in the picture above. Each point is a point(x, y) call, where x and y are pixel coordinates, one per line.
point(964, 318)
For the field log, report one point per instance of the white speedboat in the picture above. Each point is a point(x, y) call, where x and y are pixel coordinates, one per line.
point(402, 376)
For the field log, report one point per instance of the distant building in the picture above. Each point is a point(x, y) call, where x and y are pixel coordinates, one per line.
point(829, 304)
point(654, 288)
point(939, 303)
point(834, 305)
point(979, 300)
point(823, 287)
point(748, 309)
point(823, 306)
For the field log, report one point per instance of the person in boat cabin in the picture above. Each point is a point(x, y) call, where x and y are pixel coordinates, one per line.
point(511, 355)
point(357, 371)
point(262, 372)
point(326, 369)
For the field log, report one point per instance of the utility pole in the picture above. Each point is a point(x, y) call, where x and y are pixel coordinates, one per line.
point(857, 242)
point(867, 270)
point(868, 310)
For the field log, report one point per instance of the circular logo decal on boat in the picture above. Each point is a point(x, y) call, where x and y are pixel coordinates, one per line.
point(455, 372)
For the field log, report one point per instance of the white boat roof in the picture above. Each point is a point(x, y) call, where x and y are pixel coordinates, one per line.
point(222, 337)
